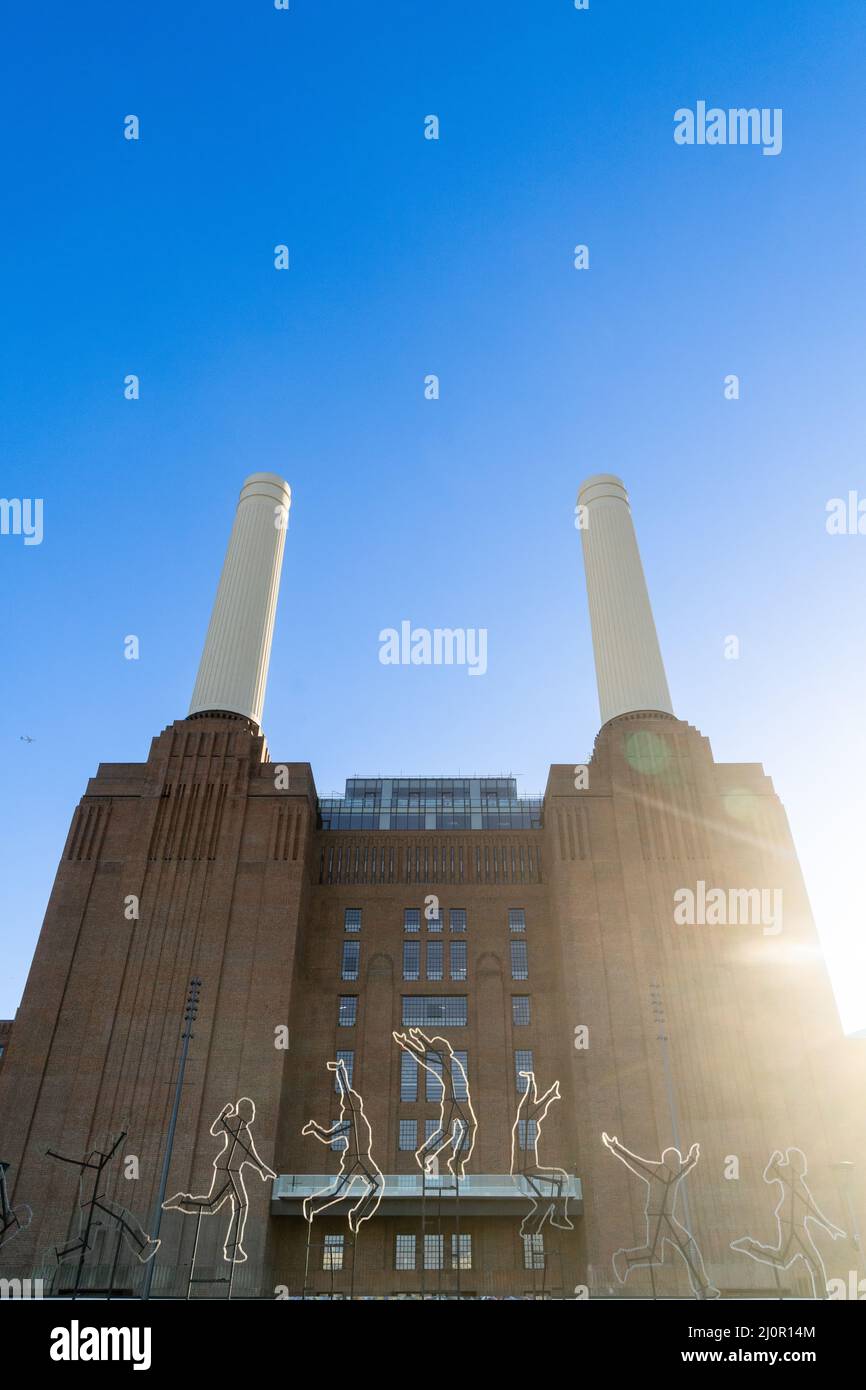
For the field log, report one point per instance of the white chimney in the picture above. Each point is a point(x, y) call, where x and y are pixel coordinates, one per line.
point(628, 662)
point(234, 665)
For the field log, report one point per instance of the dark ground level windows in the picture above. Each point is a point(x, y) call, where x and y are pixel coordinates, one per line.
point(533, 1251)
point(404, 1252)
point(332, 1254)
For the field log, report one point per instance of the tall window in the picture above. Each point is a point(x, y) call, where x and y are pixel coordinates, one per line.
point(434, 923)
point(459, 1135)
point(404, 1252)
point(348, 1014)
point(431, 1010)
point(347, 1056)
point(516, 919)
point(340, 1137)
point(433, 1073)
point(434, 960)
point(352, 919)
point(408, 1077)
point(411, 960)
point(520, 1012)
point(528, 1133)
point(458, 960)
point(519, 961)
point(411, 919)
point(461, 1252)
point(458, 919)
point(332, 1254)
point(433, 1246)
point(460, 1078)
point(431, 1127)
point(408, 1136)
point(351, 960)
point(533, 1251)
point(522, 1062)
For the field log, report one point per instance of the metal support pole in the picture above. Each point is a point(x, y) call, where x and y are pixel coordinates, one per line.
point(189, 1017)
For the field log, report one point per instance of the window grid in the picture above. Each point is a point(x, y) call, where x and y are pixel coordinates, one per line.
point(332, 1255)
point(352, 919)
point(435, 963)
point(460, 1079)
point(411, 922)
point(344, 1055)
point(458, 918)
point(404, 1252)
point(516, 919)
point(528, 1134)
point(522, 1062)
point(408, 1077)
point(433, 1251)
point(458, 960)
point(351, 960)
point(461, 1251)
point(533, 1251)
point(433, 1010)
point(519, 961)
point(337, 1139)
point(434, 923)
point(408, 1136)
point(433, 1073)
point(411, 960)
point(348, 1013)
point(520, 1010)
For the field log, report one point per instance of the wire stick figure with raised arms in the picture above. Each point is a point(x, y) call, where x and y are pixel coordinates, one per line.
point(795, 1208)
point(234, 1123)
point(548, 1186)
point(12, 1219)
point(356, 1157)
point(457, 1129)
point(663, 1179)
point(94, 1208)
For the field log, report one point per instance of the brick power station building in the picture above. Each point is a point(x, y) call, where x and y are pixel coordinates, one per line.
point(539, 941)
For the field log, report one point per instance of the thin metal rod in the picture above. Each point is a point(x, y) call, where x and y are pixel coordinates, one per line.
point(189, 1015)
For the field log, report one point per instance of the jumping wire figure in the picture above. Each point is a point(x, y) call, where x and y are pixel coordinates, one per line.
point(663, 1180)
point(234, 1125)
point(357, 1163)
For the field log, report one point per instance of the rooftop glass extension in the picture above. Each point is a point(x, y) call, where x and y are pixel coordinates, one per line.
point(430, 803)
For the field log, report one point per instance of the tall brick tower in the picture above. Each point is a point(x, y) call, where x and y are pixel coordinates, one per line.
point(642, 937)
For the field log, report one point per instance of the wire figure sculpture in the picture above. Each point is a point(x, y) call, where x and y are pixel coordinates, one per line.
point(234, 1125)
point(356, 1156)
point(663, 1228)
point(96, 1210)
point(548, 1187)
point(456, 1130)
point(795, 1209)
point(12, 1220)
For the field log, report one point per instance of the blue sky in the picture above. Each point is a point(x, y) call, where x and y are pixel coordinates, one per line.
point(411, 257)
